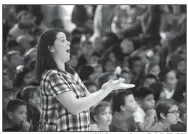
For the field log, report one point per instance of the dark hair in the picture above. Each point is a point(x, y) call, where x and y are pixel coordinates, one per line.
point(85, 71)
point(100, 107)
point(119, 99)
point(11, 44)
point(151, 65)
point(150, 76)
point(88, 83)
point(28, 93)
point(157, 88)
point(14, 104)
point(103, 78)
point(18, 81)
point(131, 60)
point(163, 73)
point(45, 60)
point(142, 92)
point(164, 106)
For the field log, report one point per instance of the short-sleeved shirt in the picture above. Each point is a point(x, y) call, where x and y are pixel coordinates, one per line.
point(123, 122)
point(54, 116)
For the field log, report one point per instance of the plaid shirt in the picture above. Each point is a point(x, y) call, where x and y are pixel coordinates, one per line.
point(55, 117)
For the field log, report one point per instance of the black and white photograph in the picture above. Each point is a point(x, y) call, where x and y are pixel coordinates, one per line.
point(94, 68)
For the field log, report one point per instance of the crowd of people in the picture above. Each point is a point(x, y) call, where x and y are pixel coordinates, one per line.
point(144, 44)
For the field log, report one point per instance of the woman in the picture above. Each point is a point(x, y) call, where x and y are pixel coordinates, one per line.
point(65, 100)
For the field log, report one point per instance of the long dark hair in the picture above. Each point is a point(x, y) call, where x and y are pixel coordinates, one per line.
point(45, 60)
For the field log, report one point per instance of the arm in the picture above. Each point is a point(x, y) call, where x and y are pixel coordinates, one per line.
point(76, 106)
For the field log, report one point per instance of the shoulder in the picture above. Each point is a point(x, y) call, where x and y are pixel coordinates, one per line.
point(156, 127)
point(94, 127)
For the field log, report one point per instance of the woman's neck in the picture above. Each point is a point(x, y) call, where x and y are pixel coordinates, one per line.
point(103, 127)
point(60, 64)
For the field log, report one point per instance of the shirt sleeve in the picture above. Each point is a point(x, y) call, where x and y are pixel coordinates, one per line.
point(59, 83)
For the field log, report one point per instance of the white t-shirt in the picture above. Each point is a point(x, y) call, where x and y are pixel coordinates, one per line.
point(139, 115)
point(168, 93)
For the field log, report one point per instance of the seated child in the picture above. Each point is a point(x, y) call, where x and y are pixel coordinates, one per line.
point(167, 113)
point(16, 116)
point(30, 95)
point(102, 117)
point(145, 115)
point(124, 106)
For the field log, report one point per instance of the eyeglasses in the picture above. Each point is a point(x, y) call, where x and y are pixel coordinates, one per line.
point(175, 112)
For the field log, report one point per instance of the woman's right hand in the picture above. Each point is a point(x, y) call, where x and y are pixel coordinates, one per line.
point(117, 84)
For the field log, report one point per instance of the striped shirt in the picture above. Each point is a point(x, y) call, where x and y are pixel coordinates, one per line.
point(54, 116)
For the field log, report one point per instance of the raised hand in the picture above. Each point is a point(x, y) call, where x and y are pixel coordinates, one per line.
point(116, 84)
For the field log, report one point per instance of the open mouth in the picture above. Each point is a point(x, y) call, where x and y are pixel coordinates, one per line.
point(68, 51)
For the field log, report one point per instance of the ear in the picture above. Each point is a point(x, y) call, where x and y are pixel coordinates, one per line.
point(122, 108)
point(95, 118)
point(9, 114)
point(51, 49)
point(162, 116)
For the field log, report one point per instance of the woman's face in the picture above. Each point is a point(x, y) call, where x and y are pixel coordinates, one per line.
point(173, 115)
point(171, 80)
point(61, 48)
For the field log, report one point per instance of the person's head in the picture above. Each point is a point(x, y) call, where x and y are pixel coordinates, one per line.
point(102, 113)
point(30, 95)
point(168, 78)
point(24, 76)
point(94, 58)
point(167, 111)
point(13, 59)
point(29, 55)
point(16, 111)
point(86, 46)
point(25, 19)
point(127, 46)
point(135, 64)
point(125, 73)
point(53, 49)
point(7, 82)
point(23, 41)
point(159, 92)
point(181, 66)
point(91, 86)
point(124, 102)
point(145, 98)
point(104, 78)
point(85, 72)
point(149, 79)
point(154, 69)
point(12, 45)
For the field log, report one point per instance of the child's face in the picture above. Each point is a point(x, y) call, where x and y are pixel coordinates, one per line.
point(181, 67)
point(109, 66)
point(15, 61)
point(137, 66)
point(28, 78)
point(148, 102)
point(171, 80)
point(7, 83)
point(173, 115)
point(127, 46)
point(148, 82)
point(130, 103)
point(19, 115)
point(35, 100)
point(105, 117)
point(126, 76)
point(92, 89)
point(155, 70)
